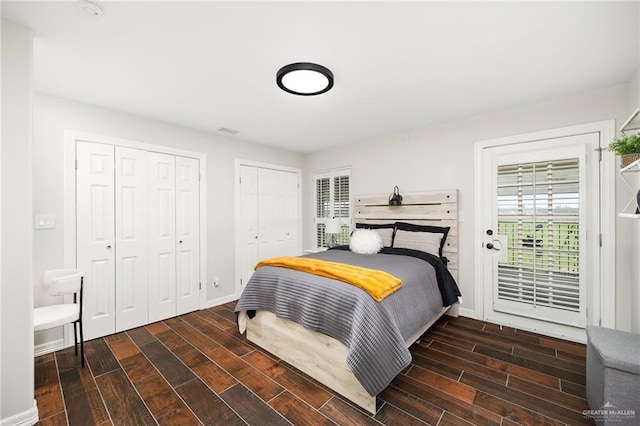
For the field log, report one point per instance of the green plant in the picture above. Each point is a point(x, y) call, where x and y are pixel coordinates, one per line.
point(625, 145)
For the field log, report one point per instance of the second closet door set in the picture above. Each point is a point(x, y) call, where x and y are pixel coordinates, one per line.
point(137, 215)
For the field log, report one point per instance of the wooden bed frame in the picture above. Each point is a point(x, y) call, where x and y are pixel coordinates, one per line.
point(324, 358)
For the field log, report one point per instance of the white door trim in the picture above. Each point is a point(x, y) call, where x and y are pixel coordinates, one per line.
point(238, 231)
point(606, 129)
point(70, 138)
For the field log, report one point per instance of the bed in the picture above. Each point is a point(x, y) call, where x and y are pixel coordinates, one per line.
point(337, 333)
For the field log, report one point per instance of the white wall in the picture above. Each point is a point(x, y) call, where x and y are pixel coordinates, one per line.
point(442, 157)
point(53, 115)
point(17, 405)
point(634, 291)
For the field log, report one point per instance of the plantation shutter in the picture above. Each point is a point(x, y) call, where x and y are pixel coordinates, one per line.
point(323, 207)
point(333, 199)
point(538, 211)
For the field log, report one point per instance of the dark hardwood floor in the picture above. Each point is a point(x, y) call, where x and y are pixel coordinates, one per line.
point(196, 369)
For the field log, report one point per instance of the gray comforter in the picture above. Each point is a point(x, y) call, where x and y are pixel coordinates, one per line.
point(374, 332)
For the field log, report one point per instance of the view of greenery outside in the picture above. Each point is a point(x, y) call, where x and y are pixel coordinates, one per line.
point(538, 211)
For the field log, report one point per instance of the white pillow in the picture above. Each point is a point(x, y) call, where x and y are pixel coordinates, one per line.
point(365, 241)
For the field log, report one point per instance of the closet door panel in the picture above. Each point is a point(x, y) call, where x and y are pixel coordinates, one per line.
point(95, 234)
point(291, 213)
point(162, 240)
point(248, 216)
point(131, 264)
point(271, 229)
point(188, 234)
point(278, 213)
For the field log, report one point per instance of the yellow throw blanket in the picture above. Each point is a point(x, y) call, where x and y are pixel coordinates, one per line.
point(378, 284)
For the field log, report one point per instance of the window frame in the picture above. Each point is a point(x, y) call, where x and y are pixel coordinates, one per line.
point(332, 174)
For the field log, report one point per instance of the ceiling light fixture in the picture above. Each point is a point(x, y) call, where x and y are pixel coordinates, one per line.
point(304, 79)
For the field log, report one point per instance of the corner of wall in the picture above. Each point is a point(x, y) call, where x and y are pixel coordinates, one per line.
point(17, 406)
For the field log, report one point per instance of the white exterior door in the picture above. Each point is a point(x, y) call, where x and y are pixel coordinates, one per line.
point(95, 236)
point(162, 237)
point(187, 233)
point(541, 233)
point(131, 266)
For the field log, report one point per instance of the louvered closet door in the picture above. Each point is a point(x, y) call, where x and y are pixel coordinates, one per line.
point(95, 236)
point(162, 237)
point(187, 234)
point(131, 267)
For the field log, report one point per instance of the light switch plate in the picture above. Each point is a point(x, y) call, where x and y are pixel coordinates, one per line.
point(44, 221)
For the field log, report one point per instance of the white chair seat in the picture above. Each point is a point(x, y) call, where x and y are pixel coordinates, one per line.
point(47, 317)
point(63, 282)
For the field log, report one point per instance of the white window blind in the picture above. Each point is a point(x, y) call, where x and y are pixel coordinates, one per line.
point(538, 210)
point(333, 199)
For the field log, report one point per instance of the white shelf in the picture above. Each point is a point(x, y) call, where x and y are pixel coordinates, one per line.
point(630, 168)
point(627, 125)
point(629, 215)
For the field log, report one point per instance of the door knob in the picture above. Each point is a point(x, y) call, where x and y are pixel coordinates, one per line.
point(490, 246)
point(180, 242)
point(108, 247)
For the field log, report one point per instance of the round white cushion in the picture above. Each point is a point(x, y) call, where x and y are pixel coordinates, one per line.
point(365, 241)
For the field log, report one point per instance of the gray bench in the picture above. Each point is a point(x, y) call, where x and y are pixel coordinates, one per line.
point(613, 376)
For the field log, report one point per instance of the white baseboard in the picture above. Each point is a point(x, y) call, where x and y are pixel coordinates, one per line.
point(26, 418)
point(469, 313)
point(220, 301)
point(48, 347)
point(557, 331)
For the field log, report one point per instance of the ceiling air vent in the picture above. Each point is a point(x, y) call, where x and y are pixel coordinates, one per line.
point(227, 130)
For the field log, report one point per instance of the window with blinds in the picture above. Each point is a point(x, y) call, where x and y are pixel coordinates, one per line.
point(333, 199)
point(538, 211)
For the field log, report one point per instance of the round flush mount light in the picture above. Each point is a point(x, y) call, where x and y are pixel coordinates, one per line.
point(304, 79)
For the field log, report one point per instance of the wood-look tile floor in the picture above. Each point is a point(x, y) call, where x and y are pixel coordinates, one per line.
point(197, 369)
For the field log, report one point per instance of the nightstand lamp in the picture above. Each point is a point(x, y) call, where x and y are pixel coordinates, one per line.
point(333, 227)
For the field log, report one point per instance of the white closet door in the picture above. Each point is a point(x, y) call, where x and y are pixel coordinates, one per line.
point(131, 266)
point(271, 204)
point(188, 234)
point(95, 236)
point(291, 212)
point(248, 216)
point(162, 241)
point(278, 213)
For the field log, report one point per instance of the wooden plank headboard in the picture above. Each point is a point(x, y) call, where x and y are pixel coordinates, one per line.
point(437, 208)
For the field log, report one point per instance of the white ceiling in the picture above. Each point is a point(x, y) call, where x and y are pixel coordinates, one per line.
point(397, 66)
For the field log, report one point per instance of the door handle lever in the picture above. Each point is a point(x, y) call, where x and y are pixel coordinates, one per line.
point(490, 246)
